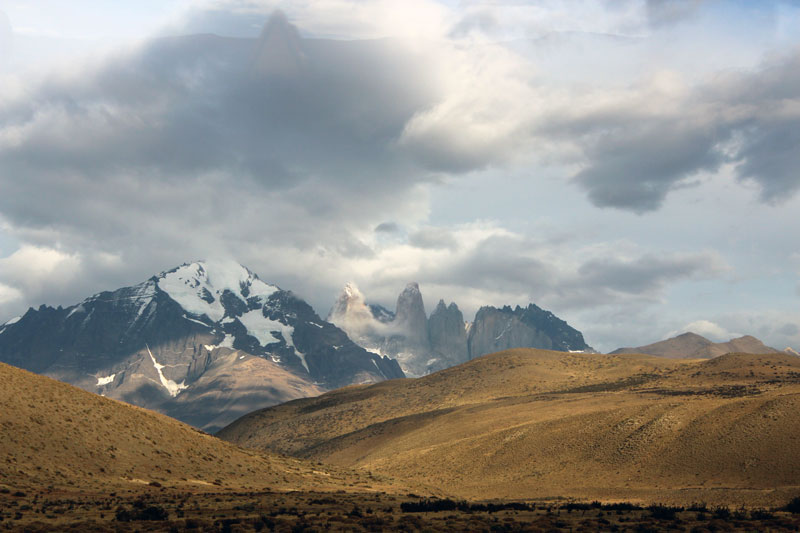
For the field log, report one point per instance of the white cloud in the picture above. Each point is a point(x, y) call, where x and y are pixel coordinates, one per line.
point(34, 266)
point(705, 328)
point(9, 295)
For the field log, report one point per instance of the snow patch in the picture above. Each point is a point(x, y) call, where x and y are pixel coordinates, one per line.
point(197, 287)
point(210, 347)
point(172, 388)
point(196, 321)
point(302, 357)
point(315, 324)
point(106, 380)
point(227, 342)
point(13, 321)
point(78, 309)
point(261, 327)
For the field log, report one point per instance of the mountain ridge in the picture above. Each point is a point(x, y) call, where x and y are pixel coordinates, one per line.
point(423, 344)
point(149, 343)
point(690, 345)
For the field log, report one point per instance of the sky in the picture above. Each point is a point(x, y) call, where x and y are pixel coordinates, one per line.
point(632, 166)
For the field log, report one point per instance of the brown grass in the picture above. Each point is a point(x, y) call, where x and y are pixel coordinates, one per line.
point(56, 437)
point(538, 424)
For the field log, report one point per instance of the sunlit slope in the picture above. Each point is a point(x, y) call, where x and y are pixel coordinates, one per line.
point(56, 435)
point(531, 423)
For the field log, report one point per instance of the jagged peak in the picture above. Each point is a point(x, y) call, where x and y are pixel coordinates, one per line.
point(351, 291)
point(411, 286)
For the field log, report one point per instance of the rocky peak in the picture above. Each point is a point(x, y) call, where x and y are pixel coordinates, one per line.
point(410, 314)
point(448, 335)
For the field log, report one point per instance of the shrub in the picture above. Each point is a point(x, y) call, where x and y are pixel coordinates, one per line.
point(723, 513)
point(151, 512)
point(793, 506)
point(664, 512)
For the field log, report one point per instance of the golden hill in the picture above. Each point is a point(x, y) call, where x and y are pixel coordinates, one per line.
point(58, 436)
point(538, 424)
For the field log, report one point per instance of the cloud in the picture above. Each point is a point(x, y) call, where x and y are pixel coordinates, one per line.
point(387, 227)
point(189, 130)
point(32, 266)
point(34, 273)
point(705, 328)
point(6, 40)
point(481, 263)
point(649, 272)
point(637, 145)
point(662, 13)
point(433, 238)
point(9, 295)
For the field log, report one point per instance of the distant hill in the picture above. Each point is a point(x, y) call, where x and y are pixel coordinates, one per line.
point(530, 423)
point(56, 435)
point(694, 346)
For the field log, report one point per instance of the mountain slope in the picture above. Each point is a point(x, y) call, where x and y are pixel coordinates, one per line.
point(533, 424)
point(153, 343)
point(522, 327)
point(56, 435)
point(693, 346)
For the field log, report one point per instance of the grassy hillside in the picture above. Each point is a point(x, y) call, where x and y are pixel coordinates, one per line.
point(56, 436)
point(535, 424)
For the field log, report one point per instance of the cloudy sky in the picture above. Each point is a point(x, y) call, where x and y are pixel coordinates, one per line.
point(633, 166)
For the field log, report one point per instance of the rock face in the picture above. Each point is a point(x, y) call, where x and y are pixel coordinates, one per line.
point(402, 336)
point(693, 346)
point(423, 345)
point(203, 342)
point(523, 327)
point(448, 335)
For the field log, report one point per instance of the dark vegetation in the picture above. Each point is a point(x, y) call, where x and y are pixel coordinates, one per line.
point(160, 509)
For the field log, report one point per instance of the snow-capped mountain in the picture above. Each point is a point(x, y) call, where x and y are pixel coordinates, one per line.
point(204, 342)
point(424, 344)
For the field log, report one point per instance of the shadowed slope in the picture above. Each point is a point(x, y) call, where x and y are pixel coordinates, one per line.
point(531, 423)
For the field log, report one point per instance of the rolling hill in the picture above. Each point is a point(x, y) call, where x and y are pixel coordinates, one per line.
point(58, 436)
point(538, 424)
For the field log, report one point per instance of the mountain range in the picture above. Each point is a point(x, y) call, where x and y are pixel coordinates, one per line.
point(204, 343)
point(693, 346)
point(423, 344)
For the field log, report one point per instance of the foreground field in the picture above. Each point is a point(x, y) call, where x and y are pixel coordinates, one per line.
point(164, 510)
point(532, 424)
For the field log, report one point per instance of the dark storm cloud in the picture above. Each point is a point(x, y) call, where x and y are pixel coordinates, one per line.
point(638, 164)
point(648, 273)
point(636, 152)
point(203, 119)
